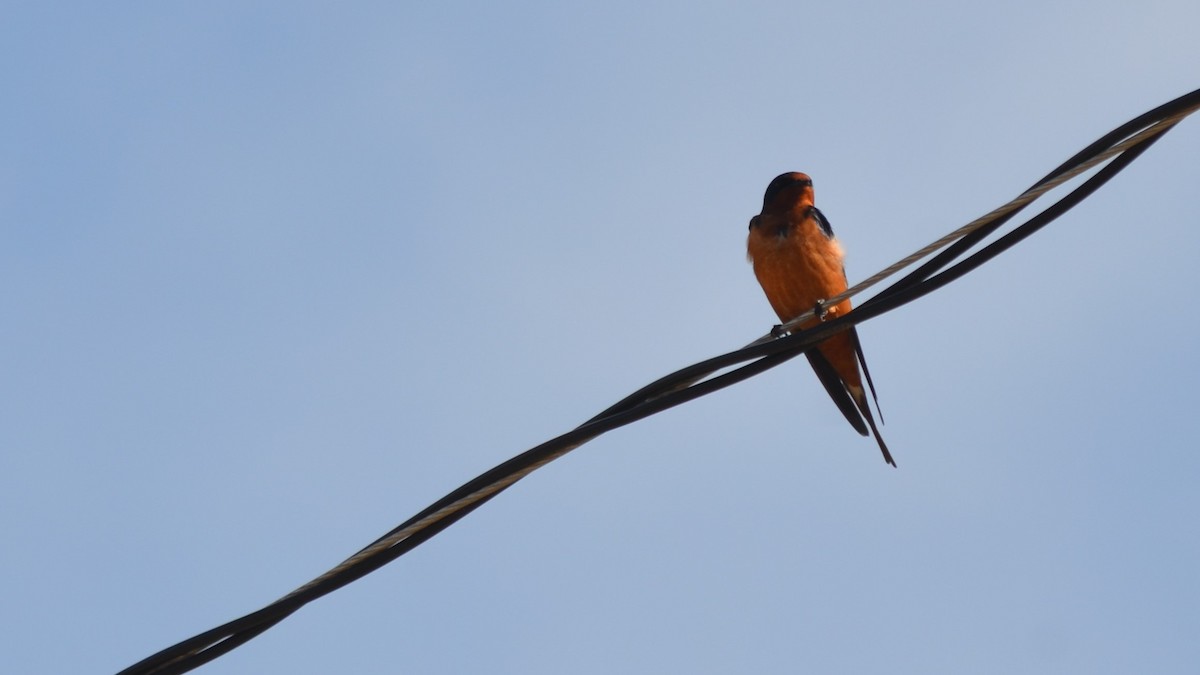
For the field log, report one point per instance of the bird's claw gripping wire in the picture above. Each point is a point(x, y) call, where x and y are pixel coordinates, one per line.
point(819, 309)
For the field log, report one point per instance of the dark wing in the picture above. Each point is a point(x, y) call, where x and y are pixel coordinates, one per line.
point(836, 390)
point(862, 405)
point(862, 361)
point(822, 221)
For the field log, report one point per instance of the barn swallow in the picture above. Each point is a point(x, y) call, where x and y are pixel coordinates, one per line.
point(798, 263)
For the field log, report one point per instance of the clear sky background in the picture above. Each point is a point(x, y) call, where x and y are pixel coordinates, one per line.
point(274, 276)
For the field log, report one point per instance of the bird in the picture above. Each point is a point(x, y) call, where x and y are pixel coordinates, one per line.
point(798, 262)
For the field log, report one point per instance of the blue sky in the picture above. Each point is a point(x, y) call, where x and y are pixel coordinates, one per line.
point(276, 276)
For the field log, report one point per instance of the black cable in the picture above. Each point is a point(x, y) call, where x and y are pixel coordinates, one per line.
point(675, 389)
point(903, 293)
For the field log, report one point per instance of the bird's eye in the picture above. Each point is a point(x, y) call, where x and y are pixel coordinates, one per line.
point(753, 222)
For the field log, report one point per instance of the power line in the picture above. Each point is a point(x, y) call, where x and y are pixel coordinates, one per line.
point(1118, 148)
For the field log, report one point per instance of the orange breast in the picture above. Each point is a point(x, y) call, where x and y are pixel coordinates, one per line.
point(798, 270)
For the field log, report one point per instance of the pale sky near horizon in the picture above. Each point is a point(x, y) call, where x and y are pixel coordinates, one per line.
point(276, 276)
